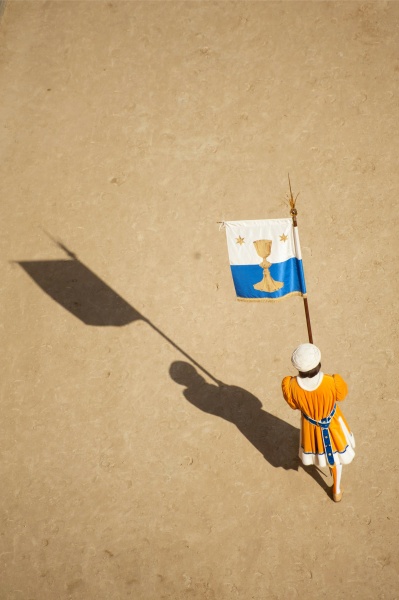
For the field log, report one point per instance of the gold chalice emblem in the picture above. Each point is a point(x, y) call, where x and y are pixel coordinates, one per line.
point(263, 248)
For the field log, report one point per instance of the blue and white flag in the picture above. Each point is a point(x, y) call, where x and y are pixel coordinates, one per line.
point(265, 259)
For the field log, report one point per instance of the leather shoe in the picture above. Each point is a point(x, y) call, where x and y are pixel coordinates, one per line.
point(338, 497)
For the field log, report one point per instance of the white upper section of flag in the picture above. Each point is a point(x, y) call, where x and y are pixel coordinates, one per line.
point(241, 236)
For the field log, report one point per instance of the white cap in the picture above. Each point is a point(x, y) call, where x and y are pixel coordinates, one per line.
point(306, 357)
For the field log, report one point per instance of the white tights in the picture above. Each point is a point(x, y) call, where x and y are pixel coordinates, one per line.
point(337, 473)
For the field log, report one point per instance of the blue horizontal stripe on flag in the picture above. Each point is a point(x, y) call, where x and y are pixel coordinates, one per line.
point(289, 272)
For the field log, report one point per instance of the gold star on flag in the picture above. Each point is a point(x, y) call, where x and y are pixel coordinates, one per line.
point(240, 240)
point(283, 238)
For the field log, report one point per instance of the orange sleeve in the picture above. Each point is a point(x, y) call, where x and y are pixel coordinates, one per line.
point(340, 387)
point(286, 387)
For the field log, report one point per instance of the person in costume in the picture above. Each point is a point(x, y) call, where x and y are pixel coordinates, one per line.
point(326, 438)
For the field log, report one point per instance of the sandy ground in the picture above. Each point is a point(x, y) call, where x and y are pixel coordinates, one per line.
point(128, 130)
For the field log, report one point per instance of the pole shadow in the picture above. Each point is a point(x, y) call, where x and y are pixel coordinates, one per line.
point(275, 439)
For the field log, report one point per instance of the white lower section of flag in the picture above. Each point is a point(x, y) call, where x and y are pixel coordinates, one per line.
point(265, 258)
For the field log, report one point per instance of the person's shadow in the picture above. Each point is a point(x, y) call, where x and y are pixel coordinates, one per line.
point(275, 439)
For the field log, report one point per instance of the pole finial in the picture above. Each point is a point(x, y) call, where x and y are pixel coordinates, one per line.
point(292, 200)
point(60, 245)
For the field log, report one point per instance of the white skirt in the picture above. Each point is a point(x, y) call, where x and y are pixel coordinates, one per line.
point(340, 458)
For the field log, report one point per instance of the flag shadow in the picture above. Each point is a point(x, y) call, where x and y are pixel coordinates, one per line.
point(80, 291)
point(275, 439)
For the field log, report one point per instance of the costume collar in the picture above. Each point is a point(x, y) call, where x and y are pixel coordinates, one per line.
point(309, 384)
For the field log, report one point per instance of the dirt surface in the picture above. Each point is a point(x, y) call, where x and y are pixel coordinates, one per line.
point(128, 130)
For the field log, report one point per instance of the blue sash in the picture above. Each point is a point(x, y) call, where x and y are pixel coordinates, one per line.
point(324, 424)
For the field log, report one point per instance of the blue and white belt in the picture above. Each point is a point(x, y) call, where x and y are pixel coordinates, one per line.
point(324, 425)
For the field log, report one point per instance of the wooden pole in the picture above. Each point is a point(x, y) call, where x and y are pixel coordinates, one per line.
point(294, 213)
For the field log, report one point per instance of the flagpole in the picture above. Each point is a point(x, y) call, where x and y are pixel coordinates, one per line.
point(294, 213)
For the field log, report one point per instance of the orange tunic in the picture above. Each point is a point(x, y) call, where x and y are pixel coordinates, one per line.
point(318, 404)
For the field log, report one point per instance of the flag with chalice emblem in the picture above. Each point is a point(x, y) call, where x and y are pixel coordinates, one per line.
point(265, 259)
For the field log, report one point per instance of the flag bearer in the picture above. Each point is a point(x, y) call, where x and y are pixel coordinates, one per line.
point(325, 435)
